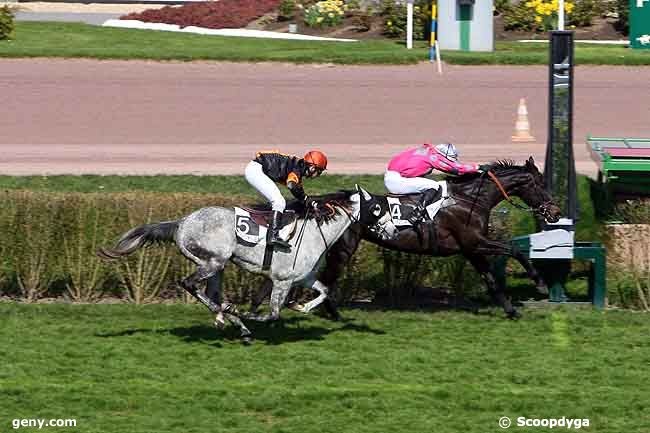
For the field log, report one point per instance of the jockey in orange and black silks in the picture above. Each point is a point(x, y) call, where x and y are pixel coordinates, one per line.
point(271, 167)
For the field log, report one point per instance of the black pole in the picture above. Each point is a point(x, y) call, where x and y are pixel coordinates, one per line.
point(559, 171)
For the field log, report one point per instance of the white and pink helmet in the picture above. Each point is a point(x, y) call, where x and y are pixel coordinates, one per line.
point(448, 150)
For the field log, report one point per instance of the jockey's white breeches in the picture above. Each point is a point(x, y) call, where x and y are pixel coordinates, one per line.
point(264, 185)
point(397, 184)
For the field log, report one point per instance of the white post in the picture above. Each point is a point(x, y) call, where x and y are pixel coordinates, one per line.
point(409, 24)
point(438, 58)
point(560, 15)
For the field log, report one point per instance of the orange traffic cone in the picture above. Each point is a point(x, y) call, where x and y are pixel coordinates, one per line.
point(522, 127)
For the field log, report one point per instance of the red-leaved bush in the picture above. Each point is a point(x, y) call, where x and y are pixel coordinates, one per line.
point(214, 15)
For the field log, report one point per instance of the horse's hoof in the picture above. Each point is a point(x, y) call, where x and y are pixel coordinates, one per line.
point(542, 288)
point(247, 340)
point(513, 315)
point(296, 306)
point(219, 321)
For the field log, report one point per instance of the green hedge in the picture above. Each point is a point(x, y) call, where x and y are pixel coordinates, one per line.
point(48, 243)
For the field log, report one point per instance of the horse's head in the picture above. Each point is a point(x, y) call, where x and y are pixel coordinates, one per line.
point(373, 212)
point(527, 183)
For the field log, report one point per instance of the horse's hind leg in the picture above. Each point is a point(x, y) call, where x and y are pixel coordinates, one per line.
point(228, 311)
point(482, 266)
point(213, 290)
point(204, 271)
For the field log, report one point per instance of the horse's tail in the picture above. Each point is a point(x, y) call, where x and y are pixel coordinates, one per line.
point(138, 237)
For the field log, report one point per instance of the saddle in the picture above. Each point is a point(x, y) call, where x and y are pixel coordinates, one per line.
point(251, 225)
point(401, 205)
point(264, 217)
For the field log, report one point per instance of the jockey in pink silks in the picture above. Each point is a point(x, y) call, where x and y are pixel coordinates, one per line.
point(406, 171)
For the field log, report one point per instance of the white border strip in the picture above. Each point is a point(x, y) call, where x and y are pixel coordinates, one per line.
point(135, 24)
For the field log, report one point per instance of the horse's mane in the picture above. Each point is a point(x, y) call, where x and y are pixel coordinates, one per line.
point(500, 166)
point(329, 205)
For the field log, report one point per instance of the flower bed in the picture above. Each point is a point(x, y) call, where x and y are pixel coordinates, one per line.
point(213, 15)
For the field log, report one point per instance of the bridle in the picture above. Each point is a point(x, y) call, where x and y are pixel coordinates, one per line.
point(542, 210)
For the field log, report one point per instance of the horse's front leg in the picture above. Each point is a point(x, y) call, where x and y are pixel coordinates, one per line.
point(482, 266)
point(278, 297)
point(322, 290)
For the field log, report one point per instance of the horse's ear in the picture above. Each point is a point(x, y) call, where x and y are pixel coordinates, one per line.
point(530, 162)
point(364, 194)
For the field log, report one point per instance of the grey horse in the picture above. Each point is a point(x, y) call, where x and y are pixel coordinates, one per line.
point(207, 237)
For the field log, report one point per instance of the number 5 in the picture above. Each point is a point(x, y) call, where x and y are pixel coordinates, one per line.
point(242, 225)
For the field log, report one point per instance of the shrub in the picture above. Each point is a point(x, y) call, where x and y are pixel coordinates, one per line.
point(541, 15)
point(34, 241)
point(83, 230)
point(628, 259)
point(623, 12)
point(518, 17)
point(501, 6)
point(326, 13)
point(584, 12)
point(286, 10)
point(6, 22)
point(394, 15)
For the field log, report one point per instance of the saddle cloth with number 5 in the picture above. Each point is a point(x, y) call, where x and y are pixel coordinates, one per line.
point(251, 225)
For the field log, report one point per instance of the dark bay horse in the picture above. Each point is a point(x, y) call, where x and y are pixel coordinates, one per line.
point(461, 228)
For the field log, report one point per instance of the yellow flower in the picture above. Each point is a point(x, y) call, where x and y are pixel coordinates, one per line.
point(319, 19)
point(538, 19)
point(331, 15)
point(389, 23)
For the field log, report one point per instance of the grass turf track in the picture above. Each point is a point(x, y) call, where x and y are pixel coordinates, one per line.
point(163, 368)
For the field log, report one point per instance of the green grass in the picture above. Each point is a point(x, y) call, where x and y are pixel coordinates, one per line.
point(517, 53)
point(35, 39)
point(155, 368)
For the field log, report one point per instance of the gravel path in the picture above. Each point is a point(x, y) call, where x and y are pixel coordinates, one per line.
point(82, 116)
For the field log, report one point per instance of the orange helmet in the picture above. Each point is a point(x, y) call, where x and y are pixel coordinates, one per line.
point(317, 158)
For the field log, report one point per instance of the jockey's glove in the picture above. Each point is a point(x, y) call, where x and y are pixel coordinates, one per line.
point(484, 168)
point(310, 204)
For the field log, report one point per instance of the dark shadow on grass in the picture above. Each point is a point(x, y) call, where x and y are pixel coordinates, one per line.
point(283, 331)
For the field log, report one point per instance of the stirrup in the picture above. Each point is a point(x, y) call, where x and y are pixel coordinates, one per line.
point(416, 216)
point(278, 242)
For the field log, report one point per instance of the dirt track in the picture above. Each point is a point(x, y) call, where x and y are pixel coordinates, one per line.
point(81, 116)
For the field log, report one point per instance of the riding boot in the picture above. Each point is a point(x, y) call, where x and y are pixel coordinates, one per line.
point(429, 196)
point(273, 236)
